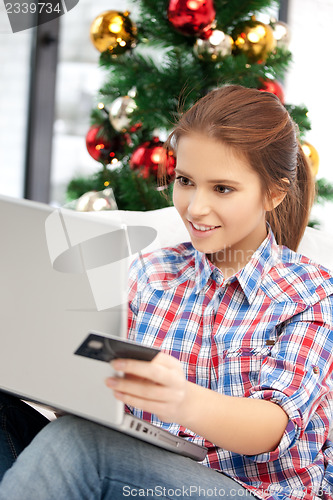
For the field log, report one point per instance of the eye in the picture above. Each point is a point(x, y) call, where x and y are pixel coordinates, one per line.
point(223, 189)
point(183, 181)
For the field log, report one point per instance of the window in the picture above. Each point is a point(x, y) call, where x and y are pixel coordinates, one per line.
point(14, 93)
point(78, 80)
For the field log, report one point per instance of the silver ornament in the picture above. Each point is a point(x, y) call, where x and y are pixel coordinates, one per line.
point(95, 201)
point(281, 34)
point(120, 113)
point(215, 48)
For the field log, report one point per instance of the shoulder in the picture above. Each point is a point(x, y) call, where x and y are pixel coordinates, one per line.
point(297, 278)
point(164, 266)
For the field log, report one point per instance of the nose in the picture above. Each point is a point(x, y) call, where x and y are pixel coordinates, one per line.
point(199, 204)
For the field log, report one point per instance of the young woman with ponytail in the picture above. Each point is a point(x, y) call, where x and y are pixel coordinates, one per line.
point(244, 323)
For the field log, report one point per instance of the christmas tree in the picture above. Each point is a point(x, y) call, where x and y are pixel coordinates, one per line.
point(174, 53)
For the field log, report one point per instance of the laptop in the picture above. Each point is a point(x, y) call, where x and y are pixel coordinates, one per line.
point(63, 275)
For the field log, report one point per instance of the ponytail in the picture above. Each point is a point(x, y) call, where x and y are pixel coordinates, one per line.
point(290, 218)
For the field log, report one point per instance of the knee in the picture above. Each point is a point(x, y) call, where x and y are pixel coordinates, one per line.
point(75, 434)
point(65, 444)
point(62, 432)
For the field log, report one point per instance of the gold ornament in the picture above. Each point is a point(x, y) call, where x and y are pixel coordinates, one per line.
point(312, 156)
point(95, 201)
point(215, 48)
point(113, 31)
point(120, 113)
point(281, 34)
point(255, 40)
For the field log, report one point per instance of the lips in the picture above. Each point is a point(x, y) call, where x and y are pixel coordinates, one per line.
point(201, 229)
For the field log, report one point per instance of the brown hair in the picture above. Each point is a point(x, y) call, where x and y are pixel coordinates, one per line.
point(258, 127)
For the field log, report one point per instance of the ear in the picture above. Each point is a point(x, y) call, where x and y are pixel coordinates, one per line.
point(274, 198)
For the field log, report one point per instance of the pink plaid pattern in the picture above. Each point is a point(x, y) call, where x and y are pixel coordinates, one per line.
point(265, 334)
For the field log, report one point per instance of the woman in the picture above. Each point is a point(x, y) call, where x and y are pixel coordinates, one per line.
point(244, 324)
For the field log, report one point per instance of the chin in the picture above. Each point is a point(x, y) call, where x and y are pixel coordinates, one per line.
point(201, 247)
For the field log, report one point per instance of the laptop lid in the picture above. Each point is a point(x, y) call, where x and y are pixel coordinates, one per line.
point(63, 274)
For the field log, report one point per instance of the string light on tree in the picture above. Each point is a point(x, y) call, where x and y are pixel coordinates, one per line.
point(312, 156)
point(113, 31)
point(215, 48)
point(254, 39)
point(148, 157)
point(191, 17)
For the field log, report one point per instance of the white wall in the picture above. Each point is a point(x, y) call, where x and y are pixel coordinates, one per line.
point(309, 82)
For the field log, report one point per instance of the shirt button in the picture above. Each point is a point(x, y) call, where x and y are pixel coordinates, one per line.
point(315, 370)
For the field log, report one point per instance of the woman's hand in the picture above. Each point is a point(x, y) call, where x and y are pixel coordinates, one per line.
point(242, 425)
point(158, 386)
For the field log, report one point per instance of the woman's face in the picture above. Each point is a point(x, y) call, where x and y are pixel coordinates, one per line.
point(220, 199)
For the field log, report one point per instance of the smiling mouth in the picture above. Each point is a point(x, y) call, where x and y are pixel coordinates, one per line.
point(202, 228)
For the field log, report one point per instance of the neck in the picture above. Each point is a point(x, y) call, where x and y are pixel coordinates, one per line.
point(230, 261)
point(233, 258)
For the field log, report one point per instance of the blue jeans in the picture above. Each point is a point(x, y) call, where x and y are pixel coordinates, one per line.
point(74, 459)
point(19, 423)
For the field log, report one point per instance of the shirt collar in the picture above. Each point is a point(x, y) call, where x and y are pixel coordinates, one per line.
point(249, 277)
point(264, 258)
point(204, 269)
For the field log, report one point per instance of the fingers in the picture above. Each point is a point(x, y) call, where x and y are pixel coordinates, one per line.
point(158, 370)
point(159, 408)
point(162, 401)
point(156, 386)
point(141, 388)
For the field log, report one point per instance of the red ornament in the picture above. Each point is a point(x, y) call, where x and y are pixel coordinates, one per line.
point(100, 147)
point(272, 86)
point(191, 17)
point(149, 156)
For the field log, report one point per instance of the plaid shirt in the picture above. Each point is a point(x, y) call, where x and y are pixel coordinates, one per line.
point(267, 333)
